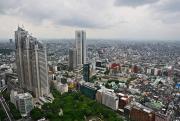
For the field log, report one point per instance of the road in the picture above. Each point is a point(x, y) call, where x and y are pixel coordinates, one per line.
point(6, 108)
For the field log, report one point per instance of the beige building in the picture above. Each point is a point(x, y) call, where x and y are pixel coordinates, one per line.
point(31, 61)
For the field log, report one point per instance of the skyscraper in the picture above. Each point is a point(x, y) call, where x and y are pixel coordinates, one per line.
point(72, 58)
point(31, 61)
point(80, 38)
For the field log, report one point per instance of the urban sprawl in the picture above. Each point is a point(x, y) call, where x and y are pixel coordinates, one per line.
point(89, 80)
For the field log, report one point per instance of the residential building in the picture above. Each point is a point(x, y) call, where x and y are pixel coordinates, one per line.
point(110, 100)
point(159, 116)
point(141, 113)
point(123, 100)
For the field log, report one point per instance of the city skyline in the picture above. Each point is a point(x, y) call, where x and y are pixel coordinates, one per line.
point(90, 60)
point(121, 80)
point(148, 19)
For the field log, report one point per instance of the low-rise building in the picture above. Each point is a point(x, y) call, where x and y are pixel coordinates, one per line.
point(62, 88)
point(123, 100)
point(108, 98)
point(141, 113)
point(159, 116)
point(127, 110)
point(22, 101)
point(88, 89)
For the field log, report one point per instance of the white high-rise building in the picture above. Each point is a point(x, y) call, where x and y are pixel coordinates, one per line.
point(108, 98)
point(80, 38)
point(31, 61)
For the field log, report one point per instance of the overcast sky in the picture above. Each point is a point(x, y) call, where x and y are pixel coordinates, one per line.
point(132, 19)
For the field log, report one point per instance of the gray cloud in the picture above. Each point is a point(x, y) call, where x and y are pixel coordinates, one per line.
point(74, 13)
point(169, 6)
point(87, 23)
point(167, 11)
point(108, 15)
point(134, 3)
point(8, 5)
point(79, 22)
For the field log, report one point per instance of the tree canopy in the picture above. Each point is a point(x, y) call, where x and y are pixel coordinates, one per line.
point(76, 106)
point(36, 114)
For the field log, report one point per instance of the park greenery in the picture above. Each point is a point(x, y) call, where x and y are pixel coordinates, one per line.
point(2, 114)
point(15, 112)
point(37, 113)
point(108, 83)
point(73, 107)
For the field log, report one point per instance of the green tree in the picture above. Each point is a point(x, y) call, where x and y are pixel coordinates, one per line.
point(3, 115)
point(15, 112)
point(36, 114)
point(107, 85)
point(75, 107)
point(6, 95)
point(63, 80)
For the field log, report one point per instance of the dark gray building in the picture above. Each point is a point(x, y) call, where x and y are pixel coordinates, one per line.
point(72, 59)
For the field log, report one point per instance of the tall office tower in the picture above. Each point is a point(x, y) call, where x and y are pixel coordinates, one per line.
point(31, 61)
point(80, 38)
point(72, 58)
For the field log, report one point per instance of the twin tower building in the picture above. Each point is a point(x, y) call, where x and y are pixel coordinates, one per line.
point(31, 61)
point(77, 55)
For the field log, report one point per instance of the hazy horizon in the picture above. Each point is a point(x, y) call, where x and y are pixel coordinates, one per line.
point(99, 39)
